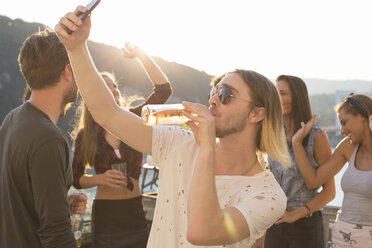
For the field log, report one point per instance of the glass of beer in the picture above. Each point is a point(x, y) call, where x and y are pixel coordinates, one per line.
point(77, 227)
point(123, 168)
point(163, 114)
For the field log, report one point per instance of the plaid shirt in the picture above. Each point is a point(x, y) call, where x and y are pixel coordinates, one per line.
point(106, 156)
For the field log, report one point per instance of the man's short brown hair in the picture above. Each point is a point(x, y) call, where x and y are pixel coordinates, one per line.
point(42, 59)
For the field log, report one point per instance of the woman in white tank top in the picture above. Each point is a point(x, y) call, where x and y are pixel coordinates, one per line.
point(353, 227)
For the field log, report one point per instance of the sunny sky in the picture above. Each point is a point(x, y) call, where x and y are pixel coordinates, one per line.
point(329, 39)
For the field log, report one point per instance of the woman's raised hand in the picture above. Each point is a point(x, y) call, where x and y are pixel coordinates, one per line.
point(132, 51)
point(303, 131)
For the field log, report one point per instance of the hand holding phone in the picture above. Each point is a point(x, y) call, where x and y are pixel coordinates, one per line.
point(90, 7)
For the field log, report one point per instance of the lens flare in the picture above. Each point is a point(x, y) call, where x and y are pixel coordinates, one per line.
point(230, 226)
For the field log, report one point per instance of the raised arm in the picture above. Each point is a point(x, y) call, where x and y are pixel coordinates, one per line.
point(152, 69)
point(317, 177)
point(162, 90)
point(96, 94)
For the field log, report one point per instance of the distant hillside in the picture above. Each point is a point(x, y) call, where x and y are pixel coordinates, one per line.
point(322, 86)
point(12, 34)
point(188, 83)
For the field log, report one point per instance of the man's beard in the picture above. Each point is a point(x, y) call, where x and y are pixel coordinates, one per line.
point(68, 98)
point(232, 124)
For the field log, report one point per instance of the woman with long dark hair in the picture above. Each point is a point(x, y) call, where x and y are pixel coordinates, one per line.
point(302, 223)
point(118, 219)
point(353, 226)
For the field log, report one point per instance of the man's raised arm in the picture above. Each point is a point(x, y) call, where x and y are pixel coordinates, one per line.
point(96, 94)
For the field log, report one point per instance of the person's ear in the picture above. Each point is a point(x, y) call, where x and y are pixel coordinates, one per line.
point(68, 68)
point(67, 72)
point(257, 114)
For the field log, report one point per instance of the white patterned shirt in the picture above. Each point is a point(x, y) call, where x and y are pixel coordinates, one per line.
point(259, 198)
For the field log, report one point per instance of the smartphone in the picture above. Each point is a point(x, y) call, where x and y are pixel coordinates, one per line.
point(89, 7)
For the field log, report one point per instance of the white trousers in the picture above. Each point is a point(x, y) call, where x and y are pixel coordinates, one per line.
point(346, 235)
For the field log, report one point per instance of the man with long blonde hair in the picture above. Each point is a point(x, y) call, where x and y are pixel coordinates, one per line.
point(209, 193)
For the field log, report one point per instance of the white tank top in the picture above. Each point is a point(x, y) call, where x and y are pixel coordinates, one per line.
point(357, 186)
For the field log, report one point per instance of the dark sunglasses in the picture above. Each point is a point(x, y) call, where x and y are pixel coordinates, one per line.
point(224, 93)
point(356, 105)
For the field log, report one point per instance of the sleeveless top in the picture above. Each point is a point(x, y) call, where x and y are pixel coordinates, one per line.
point(357, 186)
point(291, 180)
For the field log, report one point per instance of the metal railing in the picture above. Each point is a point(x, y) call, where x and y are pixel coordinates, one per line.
point(329, 217)
point(149, 200)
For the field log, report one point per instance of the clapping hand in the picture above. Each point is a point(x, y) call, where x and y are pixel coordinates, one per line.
point(303, 131)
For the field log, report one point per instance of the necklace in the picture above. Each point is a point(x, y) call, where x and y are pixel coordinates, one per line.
point(250, 167)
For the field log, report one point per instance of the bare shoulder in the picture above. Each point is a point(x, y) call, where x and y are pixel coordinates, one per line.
point(345, 148)
point(320, 136)
point(322, 150)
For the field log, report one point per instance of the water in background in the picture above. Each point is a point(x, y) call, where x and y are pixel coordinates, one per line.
point(337, 201)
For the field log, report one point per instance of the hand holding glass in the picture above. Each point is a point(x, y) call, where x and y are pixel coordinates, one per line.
point(123, 168)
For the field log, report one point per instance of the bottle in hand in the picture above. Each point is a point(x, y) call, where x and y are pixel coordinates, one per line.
point(163, 114)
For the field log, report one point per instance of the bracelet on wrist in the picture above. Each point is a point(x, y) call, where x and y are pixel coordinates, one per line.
point(309, 211)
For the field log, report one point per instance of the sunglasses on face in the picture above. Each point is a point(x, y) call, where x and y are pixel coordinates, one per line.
point(224, 94)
